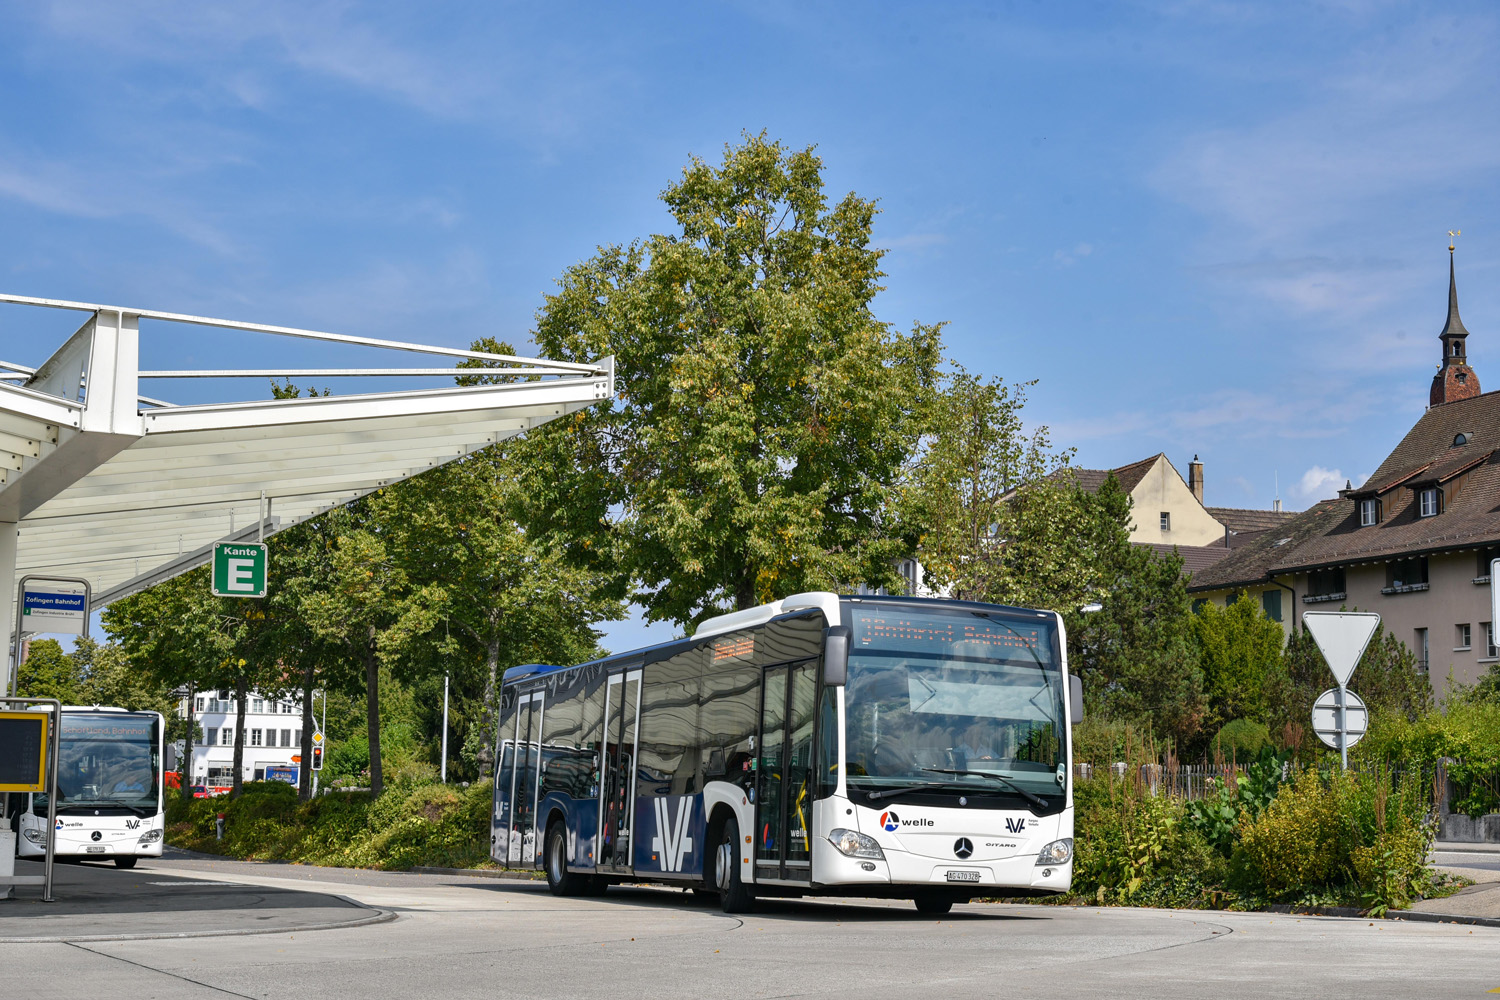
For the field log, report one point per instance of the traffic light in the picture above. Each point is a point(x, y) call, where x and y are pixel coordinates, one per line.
point(317, 761)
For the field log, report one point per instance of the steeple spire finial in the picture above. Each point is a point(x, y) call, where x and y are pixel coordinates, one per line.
point(1455, 326)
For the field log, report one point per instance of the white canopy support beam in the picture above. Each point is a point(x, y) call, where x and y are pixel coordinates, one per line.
point(98, 481)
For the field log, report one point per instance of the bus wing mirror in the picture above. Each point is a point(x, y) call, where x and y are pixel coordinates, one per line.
point(836, 655)
point(1075, 698)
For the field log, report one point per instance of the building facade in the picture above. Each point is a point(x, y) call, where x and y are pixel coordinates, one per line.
point(271, 738)
point(1414, 543)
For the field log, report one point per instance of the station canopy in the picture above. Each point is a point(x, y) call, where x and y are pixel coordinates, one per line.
point(106, 480)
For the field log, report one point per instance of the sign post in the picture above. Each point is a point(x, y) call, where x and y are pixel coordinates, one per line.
point(1343, 637)
point(240, 569)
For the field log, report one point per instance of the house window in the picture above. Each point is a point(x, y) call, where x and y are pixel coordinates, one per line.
point(1489, 640)
point(1166, 520)
point(1461, 636)
point(286, 737)
point(258, 705)
point(255, 737)
point(1427, 502)
point(198, 704)
point(1369, 512)
point(296, 737)
point(1422, 649)
point(1404, 575)
point(1270, 600)
point(1325, 585)
point(210, 737)
point(1198, 604)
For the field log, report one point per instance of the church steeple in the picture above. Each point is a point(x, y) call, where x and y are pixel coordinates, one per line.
point(1455, 380)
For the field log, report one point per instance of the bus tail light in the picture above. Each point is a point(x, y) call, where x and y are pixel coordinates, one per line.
point(855, 844)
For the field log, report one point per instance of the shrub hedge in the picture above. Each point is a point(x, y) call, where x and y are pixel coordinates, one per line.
point(414, 824)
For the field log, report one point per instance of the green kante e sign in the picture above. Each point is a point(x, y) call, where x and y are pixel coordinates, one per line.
point(240, 569)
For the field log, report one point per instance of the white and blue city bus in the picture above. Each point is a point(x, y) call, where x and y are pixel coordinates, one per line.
point(818, 745)
point(109, 789)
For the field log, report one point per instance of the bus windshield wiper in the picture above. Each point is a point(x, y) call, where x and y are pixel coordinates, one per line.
point(1028, 796)
point(926, 786)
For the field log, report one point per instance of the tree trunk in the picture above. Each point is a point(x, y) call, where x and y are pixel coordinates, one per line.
point(744, 593)
point(372, 713)
point(304, 770)
point(242, 699)
point(185, 766)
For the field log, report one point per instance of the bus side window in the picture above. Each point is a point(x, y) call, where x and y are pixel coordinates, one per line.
point(828, 743)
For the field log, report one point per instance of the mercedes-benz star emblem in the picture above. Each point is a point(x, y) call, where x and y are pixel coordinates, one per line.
point(963, 847)
point(96, 835)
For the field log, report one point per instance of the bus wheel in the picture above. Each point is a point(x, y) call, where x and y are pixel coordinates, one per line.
point(124, 862)
point(561, 881)
point(734, 895)
point(935, 905)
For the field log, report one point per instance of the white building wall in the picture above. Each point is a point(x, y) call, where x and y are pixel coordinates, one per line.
point(272, 737)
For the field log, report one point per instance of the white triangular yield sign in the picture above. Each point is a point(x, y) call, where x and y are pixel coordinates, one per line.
point(1342, 636)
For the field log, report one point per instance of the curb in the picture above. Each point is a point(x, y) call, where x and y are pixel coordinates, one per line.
point(1415, 916)
point(477, 873)
point(378, 917)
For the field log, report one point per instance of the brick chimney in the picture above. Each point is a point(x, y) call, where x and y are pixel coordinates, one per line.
point(1195, 478)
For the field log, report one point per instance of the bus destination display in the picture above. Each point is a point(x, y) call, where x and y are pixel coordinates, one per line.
point(23, 752)
point(942, 635)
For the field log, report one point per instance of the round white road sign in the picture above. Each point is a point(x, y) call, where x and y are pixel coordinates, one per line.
point(1325, 717)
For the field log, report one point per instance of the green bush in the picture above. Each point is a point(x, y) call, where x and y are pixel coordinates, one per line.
point(413, 824)
point(1240, 740)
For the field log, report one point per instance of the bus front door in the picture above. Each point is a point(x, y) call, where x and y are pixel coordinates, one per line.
point(622, 707)
point(784, 785)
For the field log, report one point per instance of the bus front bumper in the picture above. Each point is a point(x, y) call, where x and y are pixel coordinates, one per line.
point(987, 878)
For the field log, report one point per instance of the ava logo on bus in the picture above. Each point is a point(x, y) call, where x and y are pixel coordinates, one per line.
point(1014, 825)
point(672, 842)
point(890, 822)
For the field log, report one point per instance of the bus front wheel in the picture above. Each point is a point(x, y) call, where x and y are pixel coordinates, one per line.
point(935, 905)
point(124, 862)
point(734, 895)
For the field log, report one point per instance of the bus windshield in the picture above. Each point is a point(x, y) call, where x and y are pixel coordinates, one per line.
point(936, 691)
point(107, 761)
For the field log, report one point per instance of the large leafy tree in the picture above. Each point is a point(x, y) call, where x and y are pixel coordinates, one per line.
point(1138, 653)
point(1241, 658)
point(764, 413)
point(500, 594)
point(48, 672)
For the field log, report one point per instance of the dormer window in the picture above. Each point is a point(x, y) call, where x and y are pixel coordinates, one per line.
point(1369, 512)
point(1463, 377)
point(1460, 439)
point(1427, 502)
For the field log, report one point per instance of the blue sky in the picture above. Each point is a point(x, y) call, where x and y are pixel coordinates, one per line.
point(1206, 227)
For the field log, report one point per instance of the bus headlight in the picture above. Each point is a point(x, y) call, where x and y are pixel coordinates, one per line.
point(1059, 852)
point(150, 837)
point(35, 836)
point(855, 844)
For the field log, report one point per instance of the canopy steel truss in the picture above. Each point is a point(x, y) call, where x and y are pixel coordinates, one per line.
point(125, 490)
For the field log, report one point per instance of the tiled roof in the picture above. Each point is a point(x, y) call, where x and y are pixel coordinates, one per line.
point(1329, 533)
point(1195, 558)
point(1128, 476)
point(1242, 521)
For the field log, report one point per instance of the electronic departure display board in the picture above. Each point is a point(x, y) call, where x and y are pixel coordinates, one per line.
point(23, 752)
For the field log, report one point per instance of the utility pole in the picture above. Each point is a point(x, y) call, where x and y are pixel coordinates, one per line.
point(445, 728)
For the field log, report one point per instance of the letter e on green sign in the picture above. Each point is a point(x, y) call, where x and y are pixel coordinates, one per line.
point(240, 569)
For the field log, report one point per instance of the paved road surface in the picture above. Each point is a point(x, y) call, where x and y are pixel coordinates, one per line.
point(463, 937)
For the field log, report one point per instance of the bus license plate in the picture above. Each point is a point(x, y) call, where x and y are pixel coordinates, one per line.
point(91, 849)
point(963, 876)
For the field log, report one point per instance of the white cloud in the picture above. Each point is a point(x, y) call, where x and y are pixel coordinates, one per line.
point(1318, 483)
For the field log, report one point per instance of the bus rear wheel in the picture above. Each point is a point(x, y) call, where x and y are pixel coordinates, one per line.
point(734, 895)
point(561, 881)
point(124, 862)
